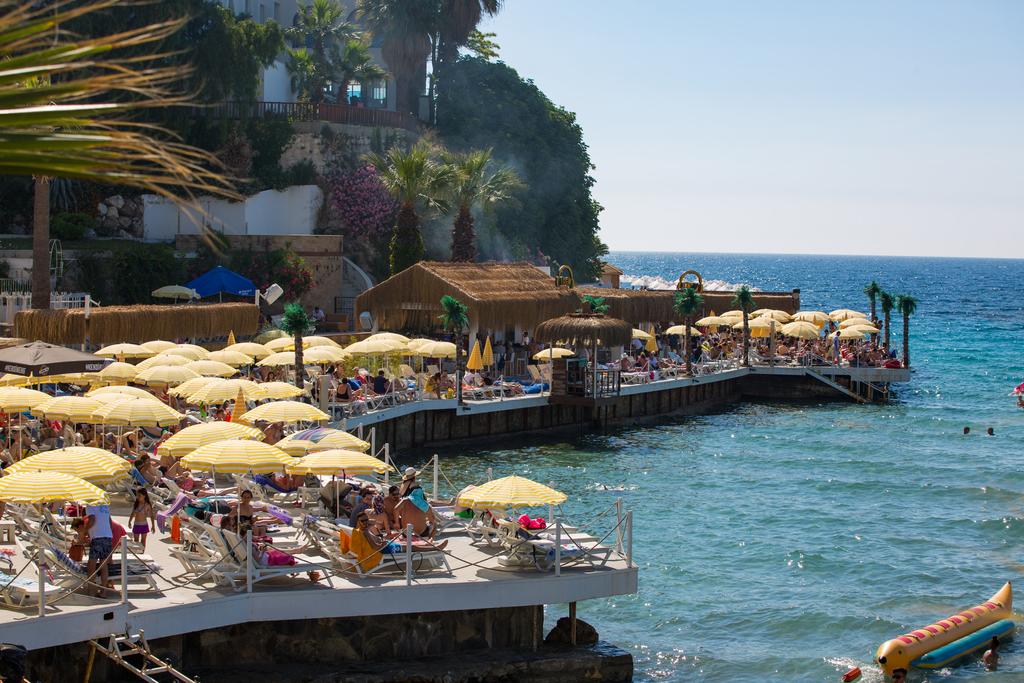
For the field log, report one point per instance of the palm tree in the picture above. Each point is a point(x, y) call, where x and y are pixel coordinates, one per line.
point(296, 322)
point(872, 291)
point(63, 113)
point(888, 303)
point(356, 65)
point(907, 305)
point(743, 299)
point(474, 182)
point(413, 178)
point(455, 318)
point(458, 21)
point(686, 304)
point(303, 76)
point(405, 30)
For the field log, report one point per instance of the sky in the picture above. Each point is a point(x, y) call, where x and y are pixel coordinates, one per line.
point(820, 126)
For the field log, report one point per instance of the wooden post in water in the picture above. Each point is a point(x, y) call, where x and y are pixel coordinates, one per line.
point(572, 623)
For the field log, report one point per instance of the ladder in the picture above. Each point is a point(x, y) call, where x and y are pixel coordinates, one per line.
point(835, 385)
point(119, 647)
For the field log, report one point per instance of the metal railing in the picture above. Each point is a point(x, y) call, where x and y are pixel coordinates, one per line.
point(308, 111)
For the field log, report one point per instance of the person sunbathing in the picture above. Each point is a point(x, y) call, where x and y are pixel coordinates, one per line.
point(415, 510)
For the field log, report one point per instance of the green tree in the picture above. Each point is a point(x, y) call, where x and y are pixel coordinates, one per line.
point(137, 269)
point(743, 299)
point(596, 304)
point(306, 81)
point(907, 306)
point(474, 181)
point(686, 303)
point(455, 319)
point(487, 105)
point(483, 45)
point(404, 30)
point(357, 65)
point(297, 323)
point(414, 179)
point(888, 302)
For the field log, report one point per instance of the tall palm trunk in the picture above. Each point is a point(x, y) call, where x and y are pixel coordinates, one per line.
point(299, 365)
point(41, 244)
point(686, 348)
point(406, 246)
point(872, 309)
point(463, 236)
point(888, 317)
point(906, 341)
point(746, 339)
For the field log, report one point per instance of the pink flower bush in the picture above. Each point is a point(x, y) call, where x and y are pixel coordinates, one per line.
point(360, 202)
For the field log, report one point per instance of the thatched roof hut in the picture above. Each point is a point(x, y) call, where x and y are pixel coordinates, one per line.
point(499, 296)
point(584, 329)
point(113, 324)
point(655, 305)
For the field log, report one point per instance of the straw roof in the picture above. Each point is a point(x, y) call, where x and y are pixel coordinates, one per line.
point(584, 329)
point(499, 295)
point(655, 305)
point(114, 324)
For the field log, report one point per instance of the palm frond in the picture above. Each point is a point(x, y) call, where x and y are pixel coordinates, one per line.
point(73, 120)
point(455, 315)
point(687, 302)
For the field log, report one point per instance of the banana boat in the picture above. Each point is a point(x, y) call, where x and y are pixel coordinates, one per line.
point(951, 638)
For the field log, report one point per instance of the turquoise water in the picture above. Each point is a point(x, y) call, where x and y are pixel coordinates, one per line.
point(784, 542)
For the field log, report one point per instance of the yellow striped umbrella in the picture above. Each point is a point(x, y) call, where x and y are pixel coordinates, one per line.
point(191, 438)
point(282, 344)
point(122, 390)
point(250, 349)
point(553, 352)
point(227, 390)
point(231, 338)
point(819, 318)
point(511, 491)
point(316, 341)
point(433, 349)
point(681, 329)
point(321, 439)
point(118, 372)
point(801, 329)
point(475, 362)
point(280, 359)
point(158, 345)
point(851, 322)
point(49, 487)
point(193, 385)
point(77, 378)
point(371, 347)
point(279, 390)
point(841, 314)
point(390, 336)
point(17, 399)
point(325, 354)
point(866, 329)
point(338, 462)
point(237, 456)
point(414, 344)
point(134, 412)
point(190, 351)
point(849, 333)
point(488, 353)
point(9, 380)
point(715, 321)
point(170, 375)
point(285, 411)
point(73, 408)
point(231, 357)
point(211, 368)
point(734, 314)
point(163, 359)
point(777, 315)
point(92, 464)
point(641, 334)
point(125, 351)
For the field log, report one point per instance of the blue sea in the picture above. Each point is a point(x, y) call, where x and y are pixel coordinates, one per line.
point(784, 542)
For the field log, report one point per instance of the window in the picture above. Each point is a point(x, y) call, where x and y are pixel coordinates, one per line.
point(379, 93)
point(354, 92)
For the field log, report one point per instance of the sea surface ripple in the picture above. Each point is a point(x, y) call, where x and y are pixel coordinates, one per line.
point(784, 542)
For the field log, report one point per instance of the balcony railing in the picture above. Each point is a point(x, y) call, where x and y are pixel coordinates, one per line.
point(307, 111)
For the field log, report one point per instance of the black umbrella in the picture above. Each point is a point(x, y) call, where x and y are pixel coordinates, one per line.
point(39, 360)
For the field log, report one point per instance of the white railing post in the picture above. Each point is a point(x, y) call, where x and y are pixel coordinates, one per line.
point(248, 561)
point(40, 559)
point(387, 472)
point(359, 430)
point(408, 554)
point(629, 539)
point(373, 440)
point(124, 569)
point(490, 474)
point(558, 547)
point(434, 491)
point(618, 525)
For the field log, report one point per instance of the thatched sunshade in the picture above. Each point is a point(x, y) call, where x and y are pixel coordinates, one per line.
point(583, 329)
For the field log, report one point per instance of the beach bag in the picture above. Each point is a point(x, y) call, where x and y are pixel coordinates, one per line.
point(77, 552)
point(277, 558)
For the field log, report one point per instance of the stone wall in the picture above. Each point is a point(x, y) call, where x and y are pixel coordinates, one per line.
point(276, 646)
point(309, 144)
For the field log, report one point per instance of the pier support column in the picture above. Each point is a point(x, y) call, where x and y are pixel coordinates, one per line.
point(572, 623)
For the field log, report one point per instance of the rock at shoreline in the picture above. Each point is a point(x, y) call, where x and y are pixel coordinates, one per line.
point(560, 634)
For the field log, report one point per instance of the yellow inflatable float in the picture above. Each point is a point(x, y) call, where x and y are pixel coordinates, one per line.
point(951, 638)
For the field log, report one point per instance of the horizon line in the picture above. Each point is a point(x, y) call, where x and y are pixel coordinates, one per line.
point(784, 253)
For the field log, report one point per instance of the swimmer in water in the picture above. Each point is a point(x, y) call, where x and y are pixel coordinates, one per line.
point(991, 657)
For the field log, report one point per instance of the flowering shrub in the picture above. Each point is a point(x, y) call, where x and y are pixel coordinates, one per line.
point(294, 277)
point(359, 200)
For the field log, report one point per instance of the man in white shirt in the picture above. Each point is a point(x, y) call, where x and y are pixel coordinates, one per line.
point(101, 541)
